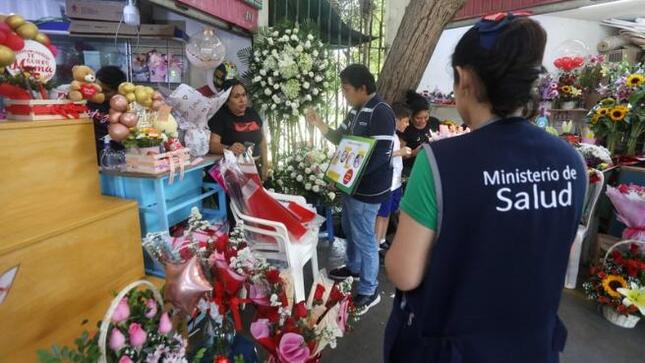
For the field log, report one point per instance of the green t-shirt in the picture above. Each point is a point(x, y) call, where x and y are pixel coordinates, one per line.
point(420, 199)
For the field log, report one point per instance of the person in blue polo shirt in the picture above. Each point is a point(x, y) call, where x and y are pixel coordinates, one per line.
point(369, 117)
point(488, 218)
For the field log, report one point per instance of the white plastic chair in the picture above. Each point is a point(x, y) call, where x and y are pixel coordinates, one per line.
point(591, 201)
point(271, 240)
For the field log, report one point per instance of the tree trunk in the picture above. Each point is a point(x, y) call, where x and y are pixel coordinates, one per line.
point(418, 34)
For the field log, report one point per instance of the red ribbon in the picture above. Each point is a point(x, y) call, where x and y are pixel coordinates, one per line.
point(68, 110)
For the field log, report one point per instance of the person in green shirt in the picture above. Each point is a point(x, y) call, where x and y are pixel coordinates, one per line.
point(420, 200)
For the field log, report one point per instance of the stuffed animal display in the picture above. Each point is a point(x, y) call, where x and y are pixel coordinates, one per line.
point(84, 86)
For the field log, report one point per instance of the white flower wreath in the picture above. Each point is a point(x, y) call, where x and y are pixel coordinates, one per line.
point(288, 72)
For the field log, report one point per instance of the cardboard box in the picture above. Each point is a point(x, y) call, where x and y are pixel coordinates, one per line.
point(110, 28)
point(95, 10)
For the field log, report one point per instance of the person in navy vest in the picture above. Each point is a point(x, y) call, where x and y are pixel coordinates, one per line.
point(488, 218)
point(369, 117)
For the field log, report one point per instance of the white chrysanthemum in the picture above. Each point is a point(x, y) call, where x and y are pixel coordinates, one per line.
point(315, 53)
point(307, 44)
point(308, 98)
point(315, 91)
point(267, 91)
point(312, 178)
point(263, 72)
point(307, 171)
point(276, 99)
point(331, 195)
point(295, 37)
point(295, 31)
point(318, 79)
point(290, 168)
point(275, 34)
point(310, 37)
point(308, 186)
point(316, 189)
point(299, 48)
point(288, 31)
point(270, 41)
point(305, 85)
point(273, 107)
point(299, 178)
point(276, 86)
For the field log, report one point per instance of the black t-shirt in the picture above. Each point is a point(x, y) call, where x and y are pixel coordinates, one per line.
point(414, 137)
point(243, 129)
point(99, 117)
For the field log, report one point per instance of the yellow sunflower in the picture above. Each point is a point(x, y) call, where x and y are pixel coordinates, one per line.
point(613, 282)
point(618, 113)
point(566, 89)
point(635, 80)
point(603, 111)
point(595, 118)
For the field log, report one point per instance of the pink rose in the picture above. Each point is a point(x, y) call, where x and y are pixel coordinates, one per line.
point(293, 349)
point(125, 359)
point(138, 336)
point(117, 340)
point(258, 294)
point(343, 314)
point(151, 308)
point(165, 326)
point(122, 311)
point(260, 329)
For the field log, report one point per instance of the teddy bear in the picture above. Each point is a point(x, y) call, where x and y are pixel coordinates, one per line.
point(84, 86)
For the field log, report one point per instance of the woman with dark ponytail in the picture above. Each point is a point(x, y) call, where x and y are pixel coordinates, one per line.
point(488, 218)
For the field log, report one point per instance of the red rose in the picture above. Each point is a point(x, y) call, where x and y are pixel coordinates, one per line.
point(273, 276)
point(300, 310)
point(634, 249)
point(618, 257)
point(290, 326)
point(320, 291)
point(335, 296)
point(602, 274)
point(221, 243)
point(621, 309)
point(623, 189)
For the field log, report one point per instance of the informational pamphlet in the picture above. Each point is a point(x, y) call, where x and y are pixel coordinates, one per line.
point(346, 166)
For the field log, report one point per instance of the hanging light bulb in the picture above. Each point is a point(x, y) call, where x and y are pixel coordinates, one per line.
point(205, 49)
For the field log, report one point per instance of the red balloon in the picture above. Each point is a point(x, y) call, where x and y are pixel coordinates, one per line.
point(3, 37)
point(4, 27)
point(221, 359)
point(14, 42)
point(118, 132)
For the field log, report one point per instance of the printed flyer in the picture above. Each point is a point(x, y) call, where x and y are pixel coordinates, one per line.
point(347, 164)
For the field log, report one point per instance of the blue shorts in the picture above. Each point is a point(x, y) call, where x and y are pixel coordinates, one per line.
point(391, 205)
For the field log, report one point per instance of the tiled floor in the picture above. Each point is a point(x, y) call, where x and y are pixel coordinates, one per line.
point(591, 338)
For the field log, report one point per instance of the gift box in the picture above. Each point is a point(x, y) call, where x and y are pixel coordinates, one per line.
point(171, 161)
point(39, 110)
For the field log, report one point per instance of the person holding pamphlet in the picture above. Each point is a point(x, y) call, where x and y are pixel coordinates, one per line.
point(367, 134)
point(502, 201)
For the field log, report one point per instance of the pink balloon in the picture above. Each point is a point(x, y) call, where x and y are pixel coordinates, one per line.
point(129, 119)
point(186, 283)
point(157, 96)
point(118, 132)
point(114, 117)
point(119, 103)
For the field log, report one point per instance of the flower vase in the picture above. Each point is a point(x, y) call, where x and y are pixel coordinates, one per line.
point(624, 321)
point(569, 105)
point(612, 142)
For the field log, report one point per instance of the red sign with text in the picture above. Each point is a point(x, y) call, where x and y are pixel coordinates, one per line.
point(232, 11)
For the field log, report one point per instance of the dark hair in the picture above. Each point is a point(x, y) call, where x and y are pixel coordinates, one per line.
point(111, 76)
point(401, 110)
point(357, 75)
point(416, 102)
point(509, 68)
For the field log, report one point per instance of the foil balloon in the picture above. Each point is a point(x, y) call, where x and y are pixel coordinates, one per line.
point(118, 132)
point(205, 50)
point(185, 285)
point(570, 55)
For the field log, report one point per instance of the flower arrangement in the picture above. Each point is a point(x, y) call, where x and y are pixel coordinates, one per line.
point(140, 331)
point(300, 333)
point(620, 117)
point(447, 129)
point(619, 283)
point(144, 137)
point(629, 202)
point(548, 88)
point(289, 70)
point(303, 173)
point(596, 157)
point(439, 98)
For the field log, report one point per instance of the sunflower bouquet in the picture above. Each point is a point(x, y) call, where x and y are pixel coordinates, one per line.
point(619, 283)
point(608, 120)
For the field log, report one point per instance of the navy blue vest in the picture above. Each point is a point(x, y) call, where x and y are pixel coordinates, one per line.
point(510, 198)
